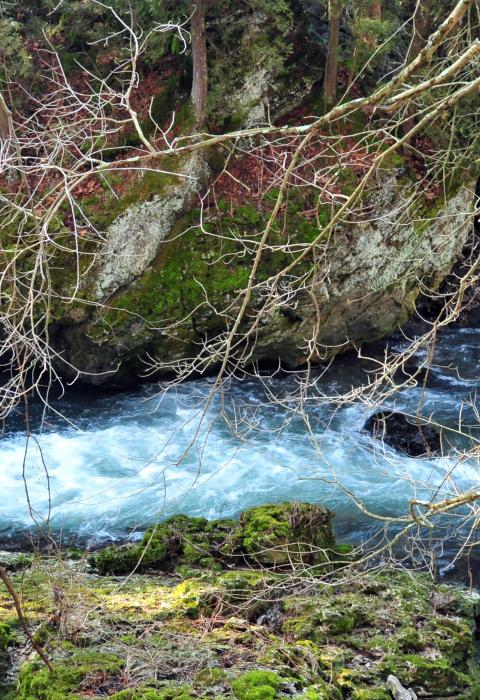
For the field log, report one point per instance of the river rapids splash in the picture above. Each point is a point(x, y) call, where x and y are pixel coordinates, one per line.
point(126, 460)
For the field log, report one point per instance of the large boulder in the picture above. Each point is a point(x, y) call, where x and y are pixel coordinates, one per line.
point(161, 287)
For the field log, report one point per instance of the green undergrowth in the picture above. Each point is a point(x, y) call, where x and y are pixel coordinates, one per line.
point(223, 630)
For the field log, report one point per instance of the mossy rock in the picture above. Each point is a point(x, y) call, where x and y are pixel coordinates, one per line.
point(241, 585)
point(322, 691)
point(370, 694)
point(179, 539)
point(5, 636)
point(209, 677)
point(257, 685)
point(359, 634)
point(14, 561)
point(437, 677)
point(284, 534)
point(320, 618)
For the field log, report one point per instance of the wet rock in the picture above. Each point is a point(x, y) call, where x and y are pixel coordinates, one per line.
point(444, 601)
point(404, 434)
point(271, 618)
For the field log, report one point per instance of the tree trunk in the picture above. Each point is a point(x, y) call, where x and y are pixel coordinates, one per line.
point(199, 57)
point(9, 142)
point(331, 67)
point(421, 27)
point(375, 9)
point(420, 33)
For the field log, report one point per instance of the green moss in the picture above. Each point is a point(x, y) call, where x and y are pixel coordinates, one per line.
point(256, 685)
point(409, 640)
point(322, 691)
point(272, 534)
point(347, 181)
point(177, 538)
point(209, 676)
point(37, 683)
point(326, 620)
point(195, 265)
point(370, 694)
point(344, 549)
point(386, 617)
point(102, 211)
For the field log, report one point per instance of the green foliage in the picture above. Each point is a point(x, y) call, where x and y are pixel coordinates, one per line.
point(16, 61)
point(5, 636)
point(370, 43)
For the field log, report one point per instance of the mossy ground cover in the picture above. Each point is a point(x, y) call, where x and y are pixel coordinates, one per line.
point(251, 633)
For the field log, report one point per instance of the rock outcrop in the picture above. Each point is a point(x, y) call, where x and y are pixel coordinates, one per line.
point(168, 289)
point(273, 536)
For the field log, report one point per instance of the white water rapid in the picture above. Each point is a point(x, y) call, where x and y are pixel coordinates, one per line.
point(127, 459)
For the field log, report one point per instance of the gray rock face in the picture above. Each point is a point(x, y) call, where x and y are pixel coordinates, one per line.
point(398, 691)
point(368, 274)
point(132, 241)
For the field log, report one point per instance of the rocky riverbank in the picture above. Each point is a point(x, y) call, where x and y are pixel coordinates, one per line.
point(254, 609)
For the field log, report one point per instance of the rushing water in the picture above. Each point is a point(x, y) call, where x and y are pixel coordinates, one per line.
point(125, 460)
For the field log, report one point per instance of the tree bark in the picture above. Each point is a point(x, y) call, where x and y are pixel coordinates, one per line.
point(331, 67)
point(199, 58)
point(420, 33)
point(375, 9)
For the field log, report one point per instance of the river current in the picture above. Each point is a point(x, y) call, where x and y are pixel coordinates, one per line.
point(119, 462)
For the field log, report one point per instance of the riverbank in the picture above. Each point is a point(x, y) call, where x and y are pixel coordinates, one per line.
point(278, 611)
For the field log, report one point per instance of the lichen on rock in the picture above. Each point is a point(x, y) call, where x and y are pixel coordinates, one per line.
point(132, 240)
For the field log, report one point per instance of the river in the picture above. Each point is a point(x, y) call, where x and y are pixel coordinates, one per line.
point(113, 464)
